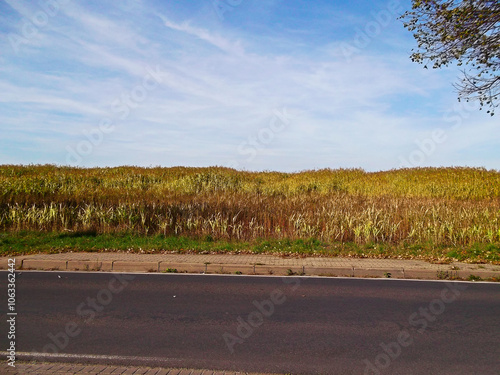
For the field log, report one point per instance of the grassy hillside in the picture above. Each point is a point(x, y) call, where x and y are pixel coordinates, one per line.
point(443, 213)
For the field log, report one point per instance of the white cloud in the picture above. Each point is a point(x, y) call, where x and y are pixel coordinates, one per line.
point(203, 34)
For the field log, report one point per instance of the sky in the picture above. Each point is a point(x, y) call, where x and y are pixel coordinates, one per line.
point(249, 84)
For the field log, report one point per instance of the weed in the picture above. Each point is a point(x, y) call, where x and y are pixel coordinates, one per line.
point(443, 275)
point(474, 278)
point(170, 270)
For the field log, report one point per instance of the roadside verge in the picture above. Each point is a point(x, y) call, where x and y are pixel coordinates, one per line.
point(249, 264)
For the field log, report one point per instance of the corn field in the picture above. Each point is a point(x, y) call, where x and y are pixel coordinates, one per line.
point(442, 206)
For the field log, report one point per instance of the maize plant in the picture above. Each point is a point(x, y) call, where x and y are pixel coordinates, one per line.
point(443, 206)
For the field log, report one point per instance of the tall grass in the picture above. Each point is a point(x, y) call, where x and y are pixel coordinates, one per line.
point(442, 206)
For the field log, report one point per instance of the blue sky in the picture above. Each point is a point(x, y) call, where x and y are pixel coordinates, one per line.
point(255, 85)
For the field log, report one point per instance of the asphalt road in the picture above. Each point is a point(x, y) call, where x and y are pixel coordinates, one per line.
point(262, 324)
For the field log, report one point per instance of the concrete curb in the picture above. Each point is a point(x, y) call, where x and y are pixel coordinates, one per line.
point(56, 265)
point(244, 269)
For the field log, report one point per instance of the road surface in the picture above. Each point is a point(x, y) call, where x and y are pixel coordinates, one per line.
point(258, 324)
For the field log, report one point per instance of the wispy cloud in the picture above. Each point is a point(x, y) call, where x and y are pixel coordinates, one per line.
point(219, 85)
point(204, 35)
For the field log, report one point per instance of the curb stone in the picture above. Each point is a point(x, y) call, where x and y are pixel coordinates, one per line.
point(251, 265)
